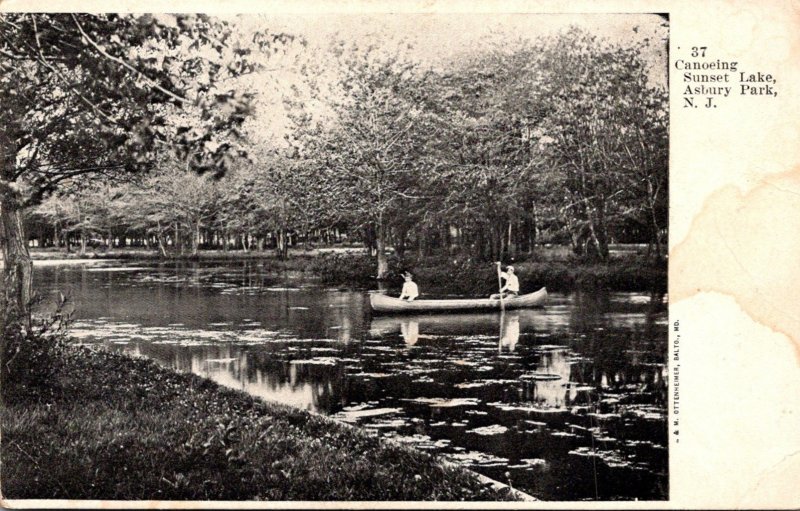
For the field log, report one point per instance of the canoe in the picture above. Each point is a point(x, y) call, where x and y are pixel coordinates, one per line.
point(383, 303)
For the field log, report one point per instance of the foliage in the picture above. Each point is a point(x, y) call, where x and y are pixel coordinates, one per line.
point(491, 156)
point(99, 93)
point(603, 128)
point(468, 276)
point(89, 95)
point(345, 269)
point(368, 157)
point(35, 357)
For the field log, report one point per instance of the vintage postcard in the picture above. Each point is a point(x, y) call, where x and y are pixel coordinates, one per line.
point(376, 254)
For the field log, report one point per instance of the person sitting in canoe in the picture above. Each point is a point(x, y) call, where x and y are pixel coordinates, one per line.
point(511, 287)
point(410, 289)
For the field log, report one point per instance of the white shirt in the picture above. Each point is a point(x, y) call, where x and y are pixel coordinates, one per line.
point(410, 290)
point(512, 282)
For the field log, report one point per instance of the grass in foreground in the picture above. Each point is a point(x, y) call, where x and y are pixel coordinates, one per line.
point(122, 428)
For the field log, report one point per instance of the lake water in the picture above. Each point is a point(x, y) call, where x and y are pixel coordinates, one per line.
point(567, 402)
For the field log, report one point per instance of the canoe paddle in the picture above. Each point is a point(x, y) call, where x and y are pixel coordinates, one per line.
point(500, 286)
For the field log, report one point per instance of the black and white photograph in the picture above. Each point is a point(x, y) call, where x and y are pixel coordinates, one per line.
point(334, 257)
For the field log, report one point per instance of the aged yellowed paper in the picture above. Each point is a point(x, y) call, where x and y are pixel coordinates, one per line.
point(734, 237)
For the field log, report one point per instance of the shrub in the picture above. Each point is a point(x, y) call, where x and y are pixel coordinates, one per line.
point(345, 268)
point(34, 357)
point(463, 275)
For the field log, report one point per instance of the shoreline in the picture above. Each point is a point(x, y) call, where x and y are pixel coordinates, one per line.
point(184, 437)
point(449, 274)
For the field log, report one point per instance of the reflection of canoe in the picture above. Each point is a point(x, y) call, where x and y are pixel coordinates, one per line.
point(416, 326)
point(464, 323)
point(383, 303)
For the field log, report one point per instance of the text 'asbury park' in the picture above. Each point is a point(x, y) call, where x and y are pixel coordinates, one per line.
point(718, 78)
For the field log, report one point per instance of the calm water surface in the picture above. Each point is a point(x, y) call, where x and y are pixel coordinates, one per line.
point(567, 402)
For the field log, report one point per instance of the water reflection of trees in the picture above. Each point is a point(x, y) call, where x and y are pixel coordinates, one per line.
point(262, 373)
point(549, 393)
point(325, 383)
point(598, 309)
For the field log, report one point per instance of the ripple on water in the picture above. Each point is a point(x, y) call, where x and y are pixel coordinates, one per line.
point(420, 441)
point(530, 408)
point(645, 412)
point(540, 376)
point(470, 385)
point(354, 414)
point(324, 361)
point(392, 424)
point(550, 347)
point(476, 459)
point(494, 429)
point(610, 458)
point(529, 464)
point(440, 402)
point(116, 269)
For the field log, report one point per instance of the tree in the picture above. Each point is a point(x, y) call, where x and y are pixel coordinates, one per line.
point(266, 194)
point(177, 197)
point(488, 163)
point(368, 154)
point(563, 132)
point(604, 128)
point(104, 94)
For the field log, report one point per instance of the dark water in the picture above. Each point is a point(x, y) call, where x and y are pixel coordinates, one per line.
point(567, 402)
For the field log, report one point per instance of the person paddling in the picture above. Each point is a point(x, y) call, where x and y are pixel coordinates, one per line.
point(511, 287)
point(410, 289)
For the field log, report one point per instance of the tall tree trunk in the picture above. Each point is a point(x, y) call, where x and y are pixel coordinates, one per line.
point(480, 245)
point(196, 238)
point(654, 220)
point(380, 246)
point(56, 236)
point(369, 238)
point(17, 272)
point(160, 239)
point(597, 244)
point(282, 245)
point(178, 240)
point(509, 245)
point(161, 248)
point(400, 243)
point(600, 231)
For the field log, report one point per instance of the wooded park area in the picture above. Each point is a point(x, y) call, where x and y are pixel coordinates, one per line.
point(154, 129)
point(561, 140)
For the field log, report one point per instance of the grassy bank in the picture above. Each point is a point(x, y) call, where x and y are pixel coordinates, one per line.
point(114, 427)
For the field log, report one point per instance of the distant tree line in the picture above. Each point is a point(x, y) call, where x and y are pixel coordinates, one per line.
point(559, 140)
